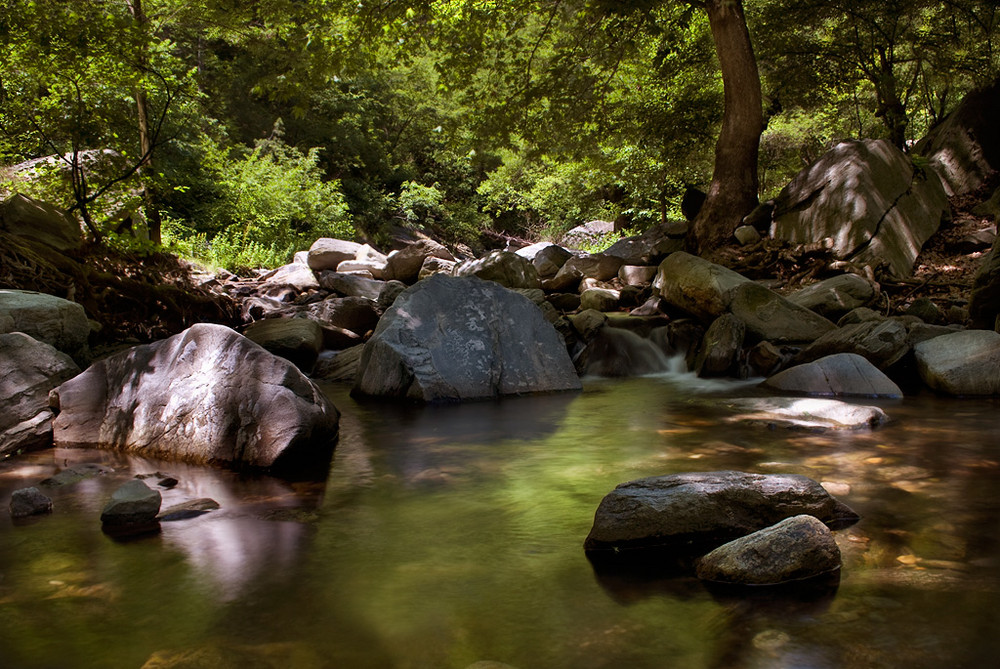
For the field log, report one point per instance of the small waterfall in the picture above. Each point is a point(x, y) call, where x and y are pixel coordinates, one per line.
point(616, 352)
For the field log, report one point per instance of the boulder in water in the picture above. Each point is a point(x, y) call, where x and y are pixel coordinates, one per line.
point(794, 549)
point(207, 394)
point(462, 338)
point(705, 509)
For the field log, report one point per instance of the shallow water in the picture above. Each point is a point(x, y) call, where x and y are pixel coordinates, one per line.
point(449, 535)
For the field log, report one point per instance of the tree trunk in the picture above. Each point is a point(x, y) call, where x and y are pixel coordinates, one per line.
point(152, 212)
point(733, 192)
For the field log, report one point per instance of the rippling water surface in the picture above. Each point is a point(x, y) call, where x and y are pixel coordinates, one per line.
point(445, 536)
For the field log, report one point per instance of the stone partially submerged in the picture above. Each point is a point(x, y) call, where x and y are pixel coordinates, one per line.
point(702, 510)
point(462, 338)
point(207, 394)
point(805, 413)
point(797, 548)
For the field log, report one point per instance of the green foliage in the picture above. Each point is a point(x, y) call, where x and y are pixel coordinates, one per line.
point(267, 203)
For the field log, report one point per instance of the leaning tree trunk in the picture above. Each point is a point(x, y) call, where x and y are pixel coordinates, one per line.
point(733, 192)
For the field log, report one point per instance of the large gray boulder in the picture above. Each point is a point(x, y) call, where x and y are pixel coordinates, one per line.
point(706, 509)
point(29, 369)
point(866, 196)
point(834, 297)
point(795, 549)
point(965, 148)
point(26, 217)
point(770, 317)
point(962, 363)
point(207, 394)
point(697, 286)
point(462, 338)
point(505, 267)
point(839, 375)
point(547, 258)
point(588, 234)
point(47, 318)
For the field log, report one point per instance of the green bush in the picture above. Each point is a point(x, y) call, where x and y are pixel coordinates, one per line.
point(267, 204)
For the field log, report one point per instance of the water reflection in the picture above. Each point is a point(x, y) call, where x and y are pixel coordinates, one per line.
point(228, 549)
point(448, 535)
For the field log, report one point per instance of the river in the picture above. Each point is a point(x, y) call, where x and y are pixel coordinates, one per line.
point(449, 535)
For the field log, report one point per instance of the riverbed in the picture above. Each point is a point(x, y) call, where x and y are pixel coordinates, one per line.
point(449, 535)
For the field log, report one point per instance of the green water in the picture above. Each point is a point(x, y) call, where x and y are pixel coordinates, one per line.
point(446, 536)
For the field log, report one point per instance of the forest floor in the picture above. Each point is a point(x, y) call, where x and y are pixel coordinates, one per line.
point(140, 298)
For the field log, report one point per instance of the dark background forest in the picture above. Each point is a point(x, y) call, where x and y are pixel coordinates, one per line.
point(238, 132)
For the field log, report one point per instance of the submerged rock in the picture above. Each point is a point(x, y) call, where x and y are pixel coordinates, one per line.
point(207, 394)
point(134, 504)
point(806, 413)
point(462, 338)
point(796, 548)
point(706, 509)
point(29, 502)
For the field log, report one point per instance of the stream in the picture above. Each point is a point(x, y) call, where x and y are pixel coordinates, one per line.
point(449, 535)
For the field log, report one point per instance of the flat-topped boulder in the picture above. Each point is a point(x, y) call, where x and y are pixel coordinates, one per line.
point(770, 317)
point(706, 509)
point(326, 253)
point(462, 338)
point(505, 267)
point(207, 394)
point(834, 297)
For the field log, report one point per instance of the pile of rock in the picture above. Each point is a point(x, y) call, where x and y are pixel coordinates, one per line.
point(747, 529)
